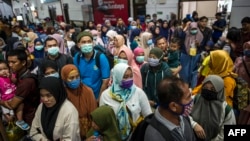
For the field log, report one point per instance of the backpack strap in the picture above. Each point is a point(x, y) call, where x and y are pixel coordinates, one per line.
point(97, 58)
point(163, 130)
point(245, 66)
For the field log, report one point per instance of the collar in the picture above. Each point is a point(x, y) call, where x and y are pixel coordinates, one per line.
point(92, 57)
point(59, 54)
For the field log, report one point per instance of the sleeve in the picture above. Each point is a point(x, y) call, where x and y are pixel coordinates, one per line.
point(206, 61)
point(105, 68)
point(36, 125)
point(23, 89)
point(71, 131)
point(144, 103)
point(229, 120)
point(193, 123)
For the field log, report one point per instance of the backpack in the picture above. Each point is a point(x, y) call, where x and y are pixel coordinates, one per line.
point(139, 132)
point(100, 50)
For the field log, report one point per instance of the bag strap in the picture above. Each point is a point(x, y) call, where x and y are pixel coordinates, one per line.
point(164, 131)
point(97, 58)
point(245, 66)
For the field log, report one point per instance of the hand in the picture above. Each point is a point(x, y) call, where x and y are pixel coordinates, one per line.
point(199, 131)
point(92, 138)
point(152, 103)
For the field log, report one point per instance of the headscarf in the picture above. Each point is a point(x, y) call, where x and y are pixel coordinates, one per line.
point(38, 53)
point(32, 37)
point(105, 119)
point(210, 114)
point(48, 64)
point(144, 38)
point(111, 34)
point(192, 38)
point(138, 51)
point(60, 42)
point(135, 32)
point(131, 62)
point(121, 44)
point(122, 96)
point(157, 52)
point(49, 115)
point(221, 64)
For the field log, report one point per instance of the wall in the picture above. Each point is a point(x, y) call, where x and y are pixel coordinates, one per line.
point(5, 10)
point(240, 9)
point(170, 6)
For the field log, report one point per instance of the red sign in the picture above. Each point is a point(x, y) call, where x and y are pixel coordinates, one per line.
point(110, 10)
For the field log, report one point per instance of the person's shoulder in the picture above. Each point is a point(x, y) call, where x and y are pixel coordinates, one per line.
point(68, 107)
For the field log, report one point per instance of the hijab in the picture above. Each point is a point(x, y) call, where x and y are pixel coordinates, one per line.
point(105, 119)
point(122, 96)
point(48, 64)
point(80, 97)
point(145, 36)
point(135, 69)
point(32, 37)
point(210, 114)
point(49, 115)
point(221, 64)
point(191, 38)
point(121, 44)
point(38, 53)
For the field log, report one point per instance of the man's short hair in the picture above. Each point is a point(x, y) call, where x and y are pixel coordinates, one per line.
point(159, 38)
point(170, 90)
point(203, 17)
point(218, 14)
point(245, 20)
point(49, 39)
point(20, 54)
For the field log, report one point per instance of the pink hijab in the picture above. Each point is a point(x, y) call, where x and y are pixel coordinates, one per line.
point(191, 38)
point(138, 51)
point(131, 62)
point(60, 42)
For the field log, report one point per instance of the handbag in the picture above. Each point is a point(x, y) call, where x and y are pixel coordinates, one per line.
point(14, 133)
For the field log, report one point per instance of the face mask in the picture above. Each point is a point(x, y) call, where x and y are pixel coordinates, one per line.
point(208, 94)
point(140, 59)
point(193, 32)
point(133, 27)
point(53, 50)
point(111, 43)
point(149, 42)
point(122, 61)
point(74, 83)
point(70, 35)
point(40, 47)
point(86, 48)
point(247, 53)
point(187, 108)
point(153, 62)
point(148, 20)
point(56, 75)
point(27, 39)
point(126, 84)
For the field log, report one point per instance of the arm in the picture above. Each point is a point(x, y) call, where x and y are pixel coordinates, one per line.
point(104, 86)
point(13, 104)
point(199, 131)
point(144, 104)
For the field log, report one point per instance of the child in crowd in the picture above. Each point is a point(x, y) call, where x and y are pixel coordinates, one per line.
point(205, 59)
point(173, 58)
point(7, 92)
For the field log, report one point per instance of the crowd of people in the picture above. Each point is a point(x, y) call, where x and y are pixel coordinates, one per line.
point(102, 82)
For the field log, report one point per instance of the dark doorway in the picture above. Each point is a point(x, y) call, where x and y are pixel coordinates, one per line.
point(52, 13)
point(140, 9)
point(66, 12)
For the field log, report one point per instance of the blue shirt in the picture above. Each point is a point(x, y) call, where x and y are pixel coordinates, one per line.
point(90, 74)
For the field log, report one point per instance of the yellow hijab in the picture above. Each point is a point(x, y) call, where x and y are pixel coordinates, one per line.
point(221, 64)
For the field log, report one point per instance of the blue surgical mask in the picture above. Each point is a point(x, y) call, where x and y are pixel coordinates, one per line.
point(53, 51)
point(247, 53)
point(27, 39)
point(140, 59)
point(133, 27)
point(87, 48)
point(193, 32)
point(74, 83)
point(153, 62)
point(149, 42)
point(56, 75)
point(122, 61)
point(40, 47)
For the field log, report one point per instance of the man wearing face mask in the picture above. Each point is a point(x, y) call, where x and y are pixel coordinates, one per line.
point(152, 73)
point(175, 104)
point(96, 77)
point(52, 50)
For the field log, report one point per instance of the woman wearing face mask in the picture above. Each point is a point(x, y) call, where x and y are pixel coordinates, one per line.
point(210, 111)
point(243, 70)
point(146, 43)
point(29, 39)
point(96, 38)
point(50, 69)
point(139, 56)
point(126, 56)
point(38, 49)
point(190, 55)
point(81, 96)
point(129, 102)
point(56, 118)
point(152, 73)
point(119, 43)
point(111, 35)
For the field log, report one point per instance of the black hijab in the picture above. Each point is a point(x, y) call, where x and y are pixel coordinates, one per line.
point(49, 115)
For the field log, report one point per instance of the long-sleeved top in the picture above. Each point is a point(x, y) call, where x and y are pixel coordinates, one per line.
point(66, 126)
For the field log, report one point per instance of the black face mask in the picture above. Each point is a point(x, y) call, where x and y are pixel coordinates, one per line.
point(208, 94)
